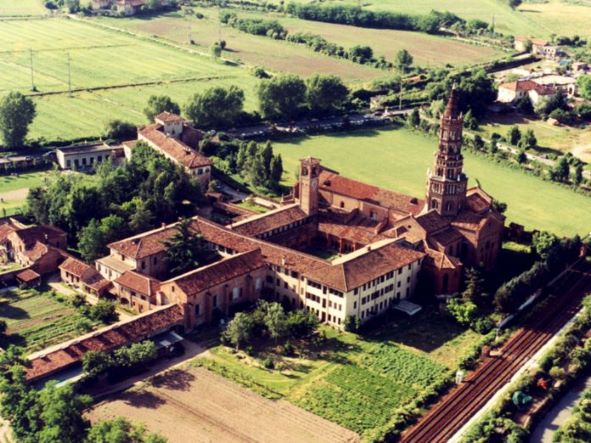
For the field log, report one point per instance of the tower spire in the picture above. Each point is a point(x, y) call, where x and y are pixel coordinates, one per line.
point(447, 183)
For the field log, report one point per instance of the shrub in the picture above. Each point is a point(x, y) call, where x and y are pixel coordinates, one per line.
point(268, 363)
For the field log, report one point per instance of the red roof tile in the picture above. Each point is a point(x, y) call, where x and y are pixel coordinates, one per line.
point(262, 223)
point(173, 148)
point(28, 275)
point(138, 282)
point(109, 338)
point(330, 181)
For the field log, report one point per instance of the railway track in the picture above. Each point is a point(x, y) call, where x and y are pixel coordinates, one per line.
point(448, 416)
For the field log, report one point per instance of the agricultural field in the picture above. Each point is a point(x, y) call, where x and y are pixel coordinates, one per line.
point(550, 138)
point(36, 320)
point(125, 69)
point(357, 382)
point(274, 55)
point(363, 155)
point(14, 8)
point(537, 18)
point(427, 50)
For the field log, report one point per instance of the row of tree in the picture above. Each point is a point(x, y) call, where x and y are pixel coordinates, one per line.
point(357, 16)
point(55, 413)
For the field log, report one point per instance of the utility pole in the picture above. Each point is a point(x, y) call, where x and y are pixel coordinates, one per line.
point(69, 76)
point(33, 88)
point(219, 23)
point(400, 101)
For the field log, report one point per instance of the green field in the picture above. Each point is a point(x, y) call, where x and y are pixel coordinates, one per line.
point(537, 18)
point(358, 382)
point(35, 320)
point(14, 190)
point(399, 159)
point(100, 58)
point(10, 8)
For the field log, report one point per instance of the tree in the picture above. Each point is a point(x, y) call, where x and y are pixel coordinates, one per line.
point(478, 142)
point(216, 107)
point(361, 54)
point(475, 92)
point(543, 242)
point(470, 121)
point(91, 244)
point(275, 320)
point(120, 430)
point(514, 3)
point(276, 170)
point(561, 171)
point(414, 119)
point(556, 101)
point(158, 104)
point(521, 157)
point(494, 146)
point(103, 311)
point(282, 97)
point(514, 135)
point(463, 311)
point(528, 140)
point(2, 327)
point(62, 414)
point(120, 130)
point(475, 291)
point(239, 330)
point(216, 50)
point(326, 94)
point(403, 61)
point(95, 363)
point(135, 354)
point(185, 250)
point(16, 114)
point(578, 178)
point(584, 86)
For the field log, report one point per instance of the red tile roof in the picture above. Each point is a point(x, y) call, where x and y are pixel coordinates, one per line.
point(76, 267)
point(330, 181)
point(215, 274)
point(42, 233)
point(168, 117)
point(105, 340)
point(262, 223)
point(28, 275)
point(173, 148)
point(138, 282)
point(144, 245)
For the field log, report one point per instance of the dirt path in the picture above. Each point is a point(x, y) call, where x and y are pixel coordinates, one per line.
point(198, 406)
point(17, 194)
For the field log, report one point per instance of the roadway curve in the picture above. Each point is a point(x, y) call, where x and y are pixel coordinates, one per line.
point(448, 416)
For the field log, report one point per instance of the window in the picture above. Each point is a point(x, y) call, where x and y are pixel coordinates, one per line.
point(197, 310)
point(68, 163)
point(236, 293)
point(342, 205)
point(355, 305)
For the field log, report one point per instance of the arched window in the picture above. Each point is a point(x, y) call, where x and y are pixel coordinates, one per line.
point(434, 204)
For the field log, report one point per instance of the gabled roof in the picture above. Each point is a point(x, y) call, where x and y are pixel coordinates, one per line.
point(43, 233)
point(261, 223)
point(145, 244)
point(432, 222)
point(28, 275)
point(333, 182)
point(141, 327)
point(168, 117)
point(135, 281)
point(76, 267)
point(173, 148)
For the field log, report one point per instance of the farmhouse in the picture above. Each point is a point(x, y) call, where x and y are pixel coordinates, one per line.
point(538, 47)
point(382, 241)
point(174, 138)
point(536, 88)
point(85, 156)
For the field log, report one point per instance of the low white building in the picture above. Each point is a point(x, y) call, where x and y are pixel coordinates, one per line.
point(86, 156)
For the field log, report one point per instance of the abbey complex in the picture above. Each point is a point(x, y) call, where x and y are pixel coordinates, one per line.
point(382, 244)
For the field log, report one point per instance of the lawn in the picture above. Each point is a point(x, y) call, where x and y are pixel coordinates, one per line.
point(399, 160)
point(36, 320)
point(14, 190)
point(10, 8)
point(101, 58)
point(358, 382)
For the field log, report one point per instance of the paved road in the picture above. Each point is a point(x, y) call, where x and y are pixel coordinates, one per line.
point(559, 414)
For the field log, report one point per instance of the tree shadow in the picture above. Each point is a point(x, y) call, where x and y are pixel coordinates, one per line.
point(426, 331)
point(143, 399)
point(13, 312)
point(12, 339)
point(175, 379)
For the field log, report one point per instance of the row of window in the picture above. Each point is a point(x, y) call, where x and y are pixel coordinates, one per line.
point(318, 299)
point(282, 229)
point(84, 162)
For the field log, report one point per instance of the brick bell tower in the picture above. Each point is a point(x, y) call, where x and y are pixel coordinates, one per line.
point(308, 186)
point(447, 184)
